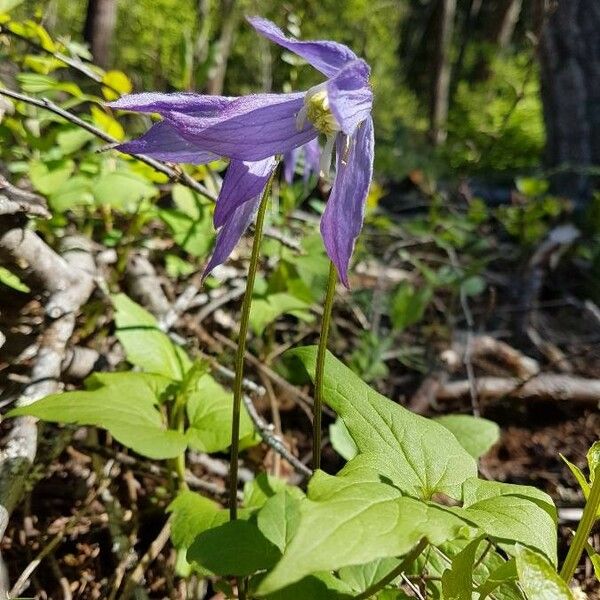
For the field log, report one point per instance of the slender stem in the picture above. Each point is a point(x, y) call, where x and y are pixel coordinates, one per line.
point(241, 349)
point(404, 564)
point(590, 514)
point(178, 424)
point(320, 370)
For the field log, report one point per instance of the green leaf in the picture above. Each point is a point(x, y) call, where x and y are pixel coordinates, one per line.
point(347, 522)
point(279, 518)
point(579, 476)
point(77, 191)
point(499, 580)
point(107, 123)
point(474, 285)
point(511, 513)
point(48, 177)
point(122, 190)
point(532, 187)
point(457, 582)
point(209, 410)
point(123, 403)
point(262, 487)
point(361, 577)
point(408, 305)
point(193, 514)
point(234, 548)
point(475, 435)
point(12, 281)
point(145, 345)
point(195, 236)
point(187, 201)
point(319, 586)
point(418, 455)
point(594, 558)
point(6, 5)
point(72, 139)
point(538, 578)
point(593, 459)
point(117, 80)
point(341, 440)
point(178, 268)
point(266, 310)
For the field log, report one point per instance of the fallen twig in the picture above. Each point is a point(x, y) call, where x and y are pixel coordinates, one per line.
point(267, 434)
point(546, 386)
point(153, 551)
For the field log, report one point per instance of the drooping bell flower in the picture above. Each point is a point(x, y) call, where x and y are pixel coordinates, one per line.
point(311, 155)
point(252, 130)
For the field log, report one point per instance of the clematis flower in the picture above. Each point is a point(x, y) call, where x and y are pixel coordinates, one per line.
point(311, 152)
point(252, 130)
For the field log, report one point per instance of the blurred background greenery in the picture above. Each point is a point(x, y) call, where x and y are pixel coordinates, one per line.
point(494, 122)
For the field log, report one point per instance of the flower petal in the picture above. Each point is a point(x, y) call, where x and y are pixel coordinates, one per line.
point(230, 234)
point(290, 159)
point(249, 128)
point(325, 56)
point(312, 158)
point(344, 212)
point(350, 97)
point(155, 102)
point(243, 181)
point(163, 142)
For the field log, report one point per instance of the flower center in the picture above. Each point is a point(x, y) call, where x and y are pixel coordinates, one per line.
point(316, 110)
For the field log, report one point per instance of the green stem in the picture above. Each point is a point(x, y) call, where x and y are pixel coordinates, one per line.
point(241, 350)
point(404, 564)
point(178, 424)
point(320, 369)
point(590, 513)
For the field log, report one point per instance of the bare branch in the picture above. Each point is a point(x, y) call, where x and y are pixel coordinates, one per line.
point(546, 386)
point(171, 173)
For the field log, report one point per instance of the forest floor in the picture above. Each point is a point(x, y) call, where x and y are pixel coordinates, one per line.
point(92, 510)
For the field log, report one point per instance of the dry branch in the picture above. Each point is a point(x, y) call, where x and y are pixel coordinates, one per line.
point(489, 349)
point(546, 386)
point(70, 280)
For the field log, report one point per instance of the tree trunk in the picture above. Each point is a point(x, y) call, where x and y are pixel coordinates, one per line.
point(507, 17)
point(438, 109)
point(231, 16)
point(100, 21)
point(569, 55)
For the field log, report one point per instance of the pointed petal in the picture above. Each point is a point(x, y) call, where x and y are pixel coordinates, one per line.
point(290, 159)
point(350, 97)
point(343, 217)
point(325, 56)
point(229, 235)
point(163, 142)
point(312, 158)
point(249, 128)
point(243, 181)
point(155, 102)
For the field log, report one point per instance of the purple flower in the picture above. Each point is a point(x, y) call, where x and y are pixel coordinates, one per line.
point(312, 160)
point(252, 130)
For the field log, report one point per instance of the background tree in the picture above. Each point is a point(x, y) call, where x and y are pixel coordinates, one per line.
point(100, 21)
point(569, 55)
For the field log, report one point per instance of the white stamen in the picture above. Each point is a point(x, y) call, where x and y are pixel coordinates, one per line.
point(326, 154)
point(301, 118)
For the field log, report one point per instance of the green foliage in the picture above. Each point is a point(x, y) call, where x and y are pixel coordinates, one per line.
point(131, 406)
point(476, 435)
point(11, 280)
point(593, 461)
point(538, 579)
point(408, 305)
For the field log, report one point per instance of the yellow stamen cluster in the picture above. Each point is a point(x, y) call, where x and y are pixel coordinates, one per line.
point(319, 113)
